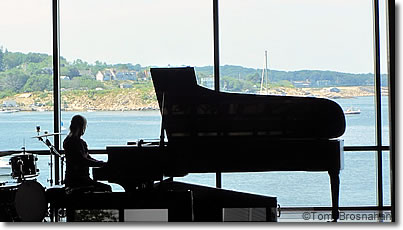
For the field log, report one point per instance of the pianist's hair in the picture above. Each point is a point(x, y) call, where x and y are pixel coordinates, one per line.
point(77, 126)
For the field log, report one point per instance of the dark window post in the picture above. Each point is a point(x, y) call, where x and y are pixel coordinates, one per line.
point(378, 103)
point(390, 31)
point(56, 83)
point(216, 66)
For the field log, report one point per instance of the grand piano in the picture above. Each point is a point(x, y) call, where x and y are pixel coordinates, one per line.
point(205, 131)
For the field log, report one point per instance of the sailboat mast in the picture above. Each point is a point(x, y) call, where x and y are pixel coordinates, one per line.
point(261, 82)
point(266, 73)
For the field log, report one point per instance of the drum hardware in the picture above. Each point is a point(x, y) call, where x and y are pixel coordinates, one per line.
point(23, 166)
point(52, 149)
point(22, 199)
point(6, 153)
point(20, 163)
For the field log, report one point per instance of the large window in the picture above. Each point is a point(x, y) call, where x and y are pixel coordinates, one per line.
point(310, 48)
point(108, 49)
point(314, 48)
point(26, 87)
point(25, 72)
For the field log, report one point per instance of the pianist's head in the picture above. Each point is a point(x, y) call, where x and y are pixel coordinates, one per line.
point(77, 126)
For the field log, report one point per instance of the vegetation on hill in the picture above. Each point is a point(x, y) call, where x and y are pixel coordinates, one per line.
point(238, 78)
point(32, 72)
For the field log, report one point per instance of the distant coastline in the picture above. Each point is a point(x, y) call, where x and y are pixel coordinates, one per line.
point(26, 83)
point(136, 100)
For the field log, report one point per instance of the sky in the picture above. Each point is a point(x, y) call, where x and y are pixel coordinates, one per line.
point(297, 34)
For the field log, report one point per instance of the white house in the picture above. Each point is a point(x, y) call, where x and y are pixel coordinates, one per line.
point(106, 75)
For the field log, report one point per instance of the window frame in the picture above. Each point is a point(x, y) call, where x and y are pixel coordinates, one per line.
point(378, 147)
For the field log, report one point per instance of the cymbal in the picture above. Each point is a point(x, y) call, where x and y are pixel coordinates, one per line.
point(48, 134)
point(5, 153)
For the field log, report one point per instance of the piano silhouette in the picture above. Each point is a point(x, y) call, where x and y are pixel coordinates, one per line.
point(209, 131)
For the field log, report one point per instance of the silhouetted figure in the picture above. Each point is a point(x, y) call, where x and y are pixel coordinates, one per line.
point(78, 160)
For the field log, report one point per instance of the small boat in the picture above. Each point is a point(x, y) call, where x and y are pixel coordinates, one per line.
point(352, 110)
point(9, 111)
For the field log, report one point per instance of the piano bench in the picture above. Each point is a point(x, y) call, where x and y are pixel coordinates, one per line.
point(54, 193)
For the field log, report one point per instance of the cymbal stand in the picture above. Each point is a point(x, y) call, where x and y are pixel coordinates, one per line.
point(162, 137)
point(57, 154)
point(21, 176)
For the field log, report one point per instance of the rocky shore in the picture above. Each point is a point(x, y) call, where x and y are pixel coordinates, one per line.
point(117, 100)
point(134, 99)
point(328, 92)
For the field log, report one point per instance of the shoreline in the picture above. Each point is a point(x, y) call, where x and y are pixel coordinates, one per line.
point(104, 110)
point(132, 100)
point(88, 111)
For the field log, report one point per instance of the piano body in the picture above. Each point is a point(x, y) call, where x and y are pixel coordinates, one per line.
point(209, 131)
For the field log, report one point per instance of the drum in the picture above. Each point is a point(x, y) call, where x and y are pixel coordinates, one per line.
point(25, 201)
point(23, 165)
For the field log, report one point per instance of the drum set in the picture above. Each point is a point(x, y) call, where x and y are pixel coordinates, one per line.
point(23, 198)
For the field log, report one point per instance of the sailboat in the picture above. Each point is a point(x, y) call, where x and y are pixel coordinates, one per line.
point(352, 110)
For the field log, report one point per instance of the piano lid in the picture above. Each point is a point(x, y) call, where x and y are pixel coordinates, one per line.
point(190, 111)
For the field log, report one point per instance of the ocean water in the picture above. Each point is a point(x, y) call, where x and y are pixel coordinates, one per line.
point(358, 179)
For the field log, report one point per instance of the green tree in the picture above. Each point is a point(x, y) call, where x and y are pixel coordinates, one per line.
point(82, 82)
point(12, 60)
point(253, 77)
point(80, 64)
point(38, 83)
point(35, 57)
point(13, 80)
point(137, 67)
point(1, 59)
point(72, 72)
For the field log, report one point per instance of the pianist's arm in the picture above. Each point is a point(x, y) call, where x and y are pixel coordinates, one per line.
point(77, 153)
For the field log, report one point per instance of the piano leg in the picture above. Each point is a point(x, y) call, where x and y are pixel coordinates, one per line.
point(335, 186)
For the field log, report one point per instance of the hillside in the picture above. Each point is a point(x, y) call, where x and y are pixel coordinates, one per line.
point(26, 81)
point(134, 99)
point(112, 100)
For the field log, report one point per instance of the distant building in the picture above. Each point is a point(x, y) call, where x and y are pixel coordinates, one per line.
point(112, 74)
point(47, 70)
point(106, 75)
point(126, 75)
point(302, 84)
point(85, 72)
point(65, 77)
point(9, 103)
point(146, 74)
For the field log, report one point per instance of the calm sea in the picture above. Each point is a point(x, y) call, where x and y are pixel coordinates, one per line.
point(358, 179)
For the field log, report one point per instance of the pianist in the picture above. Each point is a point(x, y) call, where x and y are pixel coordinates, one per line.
point(78, 160)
